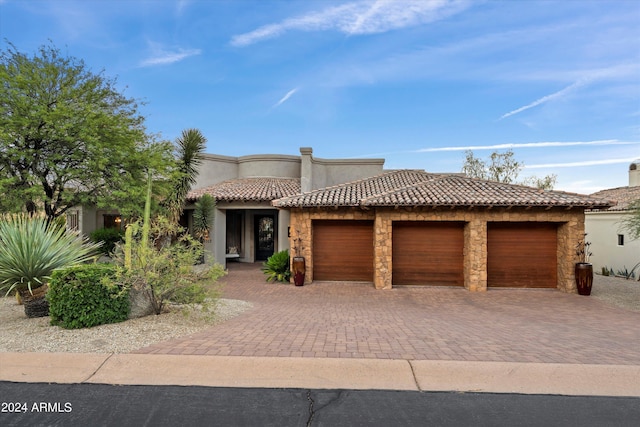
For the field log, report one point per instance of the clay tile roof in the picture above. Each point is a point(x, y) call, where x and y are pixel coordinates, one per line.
point(622, 195)
point(419, 188)
point(249, 189)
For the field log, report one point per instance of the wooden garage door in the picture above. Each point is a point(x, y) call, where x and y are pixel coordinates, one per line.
point(522, 255)
point(343, 250)
point(428, 253)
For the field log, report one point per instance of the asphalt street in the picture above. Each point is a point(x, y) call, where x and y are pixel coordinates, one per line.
point(39, 404)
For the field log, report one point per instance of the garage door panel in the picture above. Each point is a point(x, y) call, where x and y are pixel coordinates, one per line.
point(428, 253)
point(522, 255)
point(343, 250)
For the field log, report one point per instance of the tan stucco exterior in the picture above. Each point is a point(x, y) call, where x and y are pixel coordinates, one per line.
point(570, 231)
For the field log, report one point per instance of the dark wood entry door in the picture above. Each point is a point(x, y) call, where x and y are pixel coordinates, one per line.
point(264, 227)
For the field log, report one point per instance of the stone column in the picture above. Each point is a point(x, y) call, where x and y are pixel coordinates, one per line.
point(475, 255)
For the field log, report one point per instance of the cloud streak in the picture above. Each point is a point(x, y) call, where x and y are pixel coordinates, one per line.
point(547, 98)
point(581, 164)
point(285, 98)
point(165, 57)
point(527, 145)
point(359, 18)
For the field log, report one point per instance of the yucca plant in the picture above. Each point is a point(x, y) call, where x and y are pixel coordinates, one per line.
point(277, 267)
point(31, 248)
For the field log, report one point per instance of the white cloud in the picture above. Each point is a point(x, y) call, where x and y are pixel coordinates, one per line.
point(359, 18)
point(161, 56)
point(284, 98)
point(581, 164)
point(528, 145)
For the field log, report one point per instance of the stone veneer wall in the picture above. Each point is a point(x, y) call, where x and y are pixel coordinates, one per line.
point(570, 231)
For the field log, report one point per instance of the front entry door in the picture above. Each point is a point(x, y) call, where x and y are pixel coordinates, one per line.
point(264, 230)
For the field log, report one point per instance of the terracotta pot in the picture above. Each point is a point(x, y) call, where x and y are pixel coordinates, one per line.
point(298, 269)
point(584, 277)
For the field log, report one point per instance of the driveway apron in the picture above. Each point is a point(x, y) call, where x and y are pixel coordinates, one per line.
point(354, 320)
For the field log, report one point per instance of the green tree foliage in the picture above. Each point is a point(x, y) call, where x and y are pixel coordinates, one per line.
point(69, 137)
point(502, 167)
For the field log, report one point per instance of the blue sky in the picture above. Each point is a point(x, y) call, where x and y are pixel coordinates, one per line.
point(414, 82)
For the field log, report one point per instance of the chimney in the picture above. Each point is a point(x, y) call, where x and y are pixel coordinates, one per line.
point(634, 174)
point(306, 174)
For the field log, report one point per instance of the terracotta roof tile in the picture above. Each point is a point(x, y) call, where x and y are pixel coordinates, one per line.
point(250, 189)
point(419, 188)
point(622, 195)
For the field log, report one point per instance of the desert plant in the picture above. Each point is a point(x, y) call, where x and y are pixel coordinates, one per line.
point(277, 267)
point(203, 217)
point(582, 250)
point(109, 237)
point(161, 270)
point(31, 248)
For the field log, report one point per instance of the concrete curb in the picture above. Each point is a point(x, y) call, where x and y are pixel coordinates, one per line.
point(322, 373)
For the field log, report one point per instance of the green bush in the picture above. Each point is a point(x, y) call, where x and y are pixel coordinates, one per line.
point(277, 267)
point(109, 237)
point(85, 295)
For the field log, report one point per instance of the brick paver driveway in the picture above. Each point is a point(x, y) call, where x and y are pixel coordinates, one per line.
point(353, 320)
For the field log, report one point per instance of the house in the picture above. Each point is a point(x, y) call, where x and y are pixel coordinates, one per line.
point(611, 244)
point(411, 227)
point(353, 220)
point(247, 227)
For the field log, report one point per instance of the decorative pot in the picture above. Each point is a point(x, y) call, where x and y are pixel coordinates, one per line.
point(36, 304)
point(584, 277)
point(298, 269)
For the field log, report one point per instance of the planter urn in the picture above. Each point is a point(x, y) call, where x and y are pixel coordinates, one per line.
point(584, 277)
point(298, 269)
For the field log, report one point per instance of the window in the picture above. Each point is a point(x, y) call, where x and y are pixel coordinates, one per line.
point(72, 221)
point(620, 239)
point(112, 221)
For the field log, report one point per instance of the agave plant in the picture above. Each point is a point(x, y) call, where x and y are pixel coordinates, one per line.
point(31, 248)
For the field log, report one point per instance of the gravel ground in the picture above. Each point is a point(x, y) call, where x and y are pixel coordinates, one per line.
point(20, 334)
point(617, 291)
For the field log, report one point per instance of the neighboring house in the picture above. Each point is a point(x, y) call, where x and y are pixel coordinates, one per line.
point(611, 244)
point(354, 221)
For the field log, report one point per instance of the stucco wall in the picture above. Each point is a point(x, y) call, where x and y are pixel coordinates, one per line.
point(602, 231)
point(570, 230)
point(332, 172)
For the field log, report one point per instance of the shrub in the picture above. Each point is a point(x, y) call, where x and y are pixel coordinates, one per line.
point(109, 237)
point(277, 267)
point(86, 295)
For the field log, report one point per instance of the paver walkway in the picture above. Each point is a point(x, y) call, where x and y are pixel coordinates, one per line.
point(354, 320)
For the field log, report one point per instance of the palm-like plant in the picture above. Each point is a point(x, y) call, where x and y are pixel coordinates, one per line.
point(203, 217)
point(32, 248)
point(277, 267)
point(190, 146)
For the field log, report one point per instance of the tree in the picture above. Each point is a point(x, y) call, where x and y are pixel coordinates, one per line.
point(68, 137)
point(503, 167)
point(189, 148)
